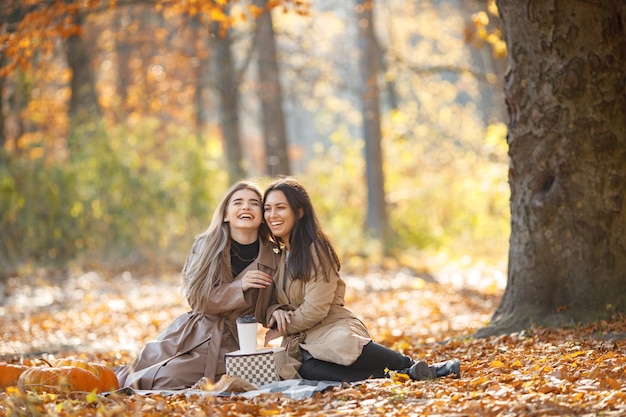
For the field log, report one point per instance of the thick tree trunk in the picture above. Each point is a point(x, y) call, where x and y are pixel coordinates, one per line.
point(271, 96)
point(566, 97)
point(377, 222)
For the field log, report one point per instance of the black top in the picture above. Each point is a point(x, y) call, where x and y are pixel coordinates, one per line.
point(242, 255)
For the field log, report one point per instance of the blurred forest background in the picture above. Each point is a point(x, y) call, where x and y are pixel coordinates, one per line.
point(117, 140)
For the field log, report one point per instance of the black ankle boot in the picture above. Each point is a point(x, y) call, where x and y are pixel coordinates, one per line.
point(420, 371)
point(450, 367)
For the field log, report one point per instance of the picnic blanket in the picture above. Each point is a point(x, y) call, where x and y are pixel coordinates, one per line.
point(292, 388)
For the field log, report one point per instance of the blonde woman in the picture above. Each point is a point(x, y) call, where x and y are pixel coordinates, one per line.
point(226, 272)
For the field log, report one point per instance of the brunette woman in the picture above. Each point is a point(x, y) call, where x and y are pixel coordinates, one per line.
point(325, 340)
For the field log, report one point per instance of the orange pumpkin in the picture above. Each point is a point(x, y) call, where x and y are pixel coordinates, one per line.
point(9, 374)
point(108, 379)
point(61, 379)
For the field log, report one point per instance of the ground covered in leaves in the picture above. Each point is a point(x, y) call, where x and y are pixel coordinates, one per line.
point(539, 372)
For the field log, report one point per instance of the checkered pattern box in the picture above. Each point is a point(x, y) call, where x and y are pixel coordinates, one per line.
point(258, 368)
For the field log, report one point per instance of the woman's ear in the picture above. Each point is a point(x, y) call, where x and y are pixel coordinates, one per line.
point(300, 213)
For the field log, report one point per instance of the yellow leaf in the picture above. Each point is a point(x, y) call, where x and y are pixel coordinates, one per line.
point(496, 364)
point(478, 380)
point(266, 412)
point(92, 397)
point(399, 377)
point(218, 15)
point(576, 354)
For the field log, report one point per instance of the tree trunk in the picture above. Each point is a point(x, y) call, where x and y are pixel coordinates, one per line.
point(228, 87)
point(565, 93)
point(18, 98)
point(124, 50)
point(201, 53)
point(3, 137)
point(7, 14)
point(83, 104)
point(271, 96)
point(377, 222)
point(390, 88)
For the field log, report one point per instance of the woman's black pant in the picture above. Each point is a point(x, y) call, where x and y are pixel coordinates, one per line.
point(371, 364)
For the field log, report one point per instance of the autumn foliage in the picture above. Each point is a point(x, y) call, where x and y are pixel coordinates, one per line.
point(32, 27)
point(579, 370)
point(131, 189)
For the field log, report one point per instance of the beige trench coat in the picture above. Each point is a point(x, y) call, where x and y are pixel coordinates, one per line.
point(321, 324)
point(194, 345)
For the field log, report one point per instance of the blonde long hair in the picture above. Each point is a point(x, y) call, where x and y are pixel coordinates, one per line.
point(208, 263)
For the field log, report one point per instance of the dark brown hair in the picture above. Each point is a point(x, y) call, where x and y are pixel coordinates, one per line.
point(306, 237)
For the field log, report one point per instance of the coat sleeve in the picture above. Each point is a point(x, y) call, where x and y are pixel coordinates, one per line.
point(225, 298)
point(318, 296)
point(222, 299)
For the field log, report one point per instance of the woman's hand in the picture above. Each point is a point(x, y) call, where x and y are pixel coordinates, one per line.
point(281, 318)
point(255, 279)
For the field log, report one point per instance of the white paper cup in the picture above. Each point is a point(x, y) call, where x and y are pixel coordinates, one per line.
point(247, 329)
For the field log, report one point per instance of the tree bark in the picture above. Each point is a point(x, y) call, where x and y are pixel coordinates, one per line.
point(271, 96)
point(376, 219)
point(566, 98)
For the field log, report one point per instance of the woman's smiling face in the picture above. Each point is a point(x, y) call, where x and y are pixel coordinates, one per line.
point(244, 210)
point(279, 215)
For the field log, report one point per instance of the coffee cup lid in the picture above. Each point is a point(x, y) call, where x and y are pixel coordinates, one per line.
point(246, 319)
